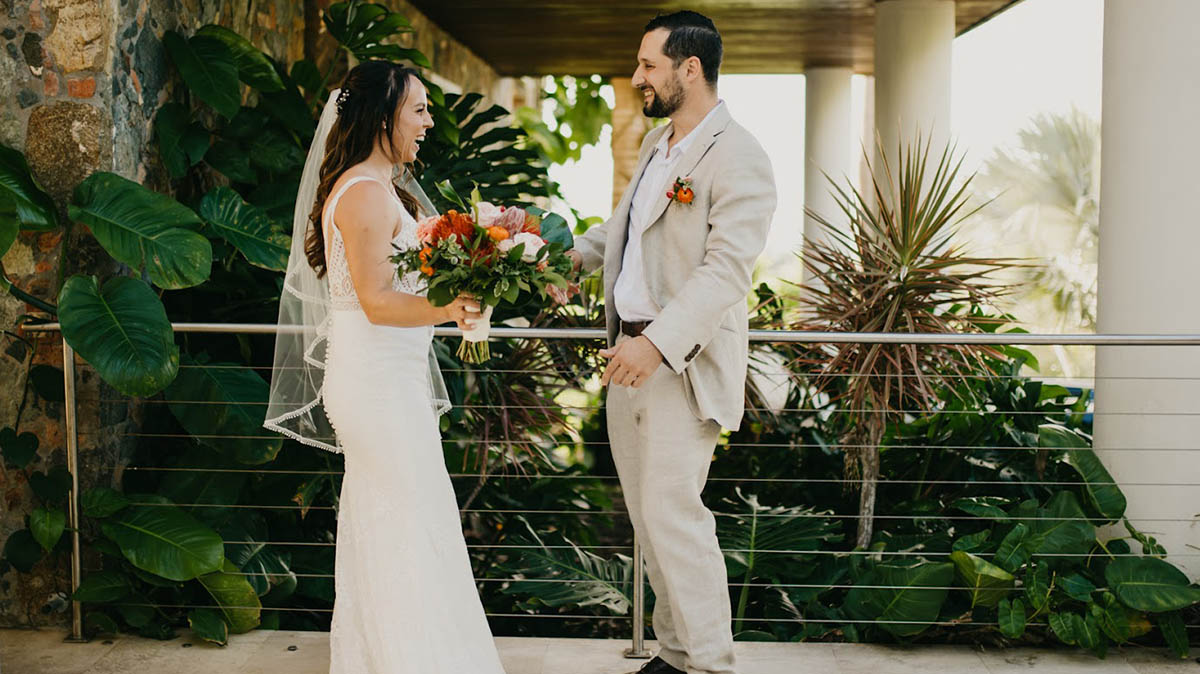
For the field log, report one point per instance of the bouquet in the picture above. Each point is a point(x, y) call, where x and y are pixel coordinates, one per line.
point(492, 253)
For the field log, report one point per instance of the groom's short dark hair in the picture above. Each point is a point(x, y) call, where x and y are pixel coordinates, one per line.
point(692, 34)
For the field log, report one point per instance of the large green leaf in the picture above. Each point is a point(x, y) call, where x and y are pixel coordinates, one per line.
point(1101, 489)
point(1037, 586)
point(208, 68)
point(263, 565)
point(47, 525)
point(231, 160)
point(989, 507)
point(253, 66)
point(1011, 618)
point(208, 624)
point(1174, 632)
point(1060, 528)
point(246, 227)
point(290, 109)
point(102, 502)
point(9, 227)
point(555, 228)
point(166, 541)
point(122, 330)
point(1077, 586)
point(914, 595)
point(22, 550)
point(140, 227)
point(18, 449)
point(207, 485)
point(52, 486)
point(181, 143)
point(1014, 548)
point(988, 583)
point(23, 203)
point(1150, 584)
point(275, 151)
point(103, 586)
point(362, 28)
point(1118, 621)
point(222, 399)
point(238, 601)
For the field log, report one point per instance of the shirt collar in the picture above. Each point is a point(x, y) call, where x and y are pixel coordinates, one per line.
point(687, 140)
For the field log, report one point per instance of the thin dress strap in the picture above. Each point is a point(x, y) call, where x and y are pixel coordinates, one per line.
point(331, 206)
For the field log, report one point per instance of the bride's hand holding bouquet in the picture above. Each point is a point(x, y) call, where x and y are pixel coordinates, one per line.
point(493, 254)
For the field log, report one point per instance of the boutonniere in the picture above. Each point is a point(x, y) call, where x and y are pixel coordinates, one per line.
point(682, 191)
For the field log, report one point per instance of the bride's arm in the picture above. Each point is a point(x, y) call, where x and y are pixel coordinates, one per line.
point(359, 218)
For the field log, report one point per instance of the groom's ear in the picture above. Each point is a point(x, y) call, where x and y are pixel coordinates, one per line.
point(693, 69)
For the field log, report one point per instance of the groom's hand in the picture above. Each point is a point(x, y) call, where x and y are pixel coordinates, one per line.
point(631, 362)
point(576, 259)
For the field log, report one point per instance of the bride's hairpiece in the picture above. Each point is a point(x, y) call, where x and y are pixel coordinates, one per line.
point(343, 96)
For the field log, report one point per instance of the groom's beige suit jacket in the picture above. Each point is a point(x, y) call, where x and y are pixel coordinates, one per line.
point(698, 258)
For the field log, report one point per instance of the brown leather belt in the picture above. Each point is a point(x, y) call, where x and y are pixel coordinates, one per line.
point(634, 328)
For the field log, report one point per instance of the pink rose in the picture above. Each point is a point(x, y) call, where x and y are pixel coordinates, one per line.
point(426, 227)
point(488, 214)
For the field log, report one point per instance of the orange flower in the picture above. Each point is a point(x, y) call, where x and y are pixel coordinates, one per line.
point(425, 253)
point(685, 195)
point(426, 270)
point(454, 224)
point(497, 233)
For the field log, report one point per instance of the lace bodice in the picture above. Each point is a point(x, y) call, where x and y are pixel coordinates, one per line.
point(341, 286)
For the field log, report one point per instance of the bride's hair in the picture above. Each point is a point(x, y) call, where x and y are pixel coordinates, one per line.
point(371, 95)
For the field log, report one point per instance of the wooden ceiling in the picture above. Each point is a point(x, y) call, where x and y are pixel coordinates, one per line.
point(577, 37)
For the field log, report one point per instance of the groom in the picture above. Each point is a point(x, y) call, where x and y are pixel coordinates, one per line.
point(678, 254)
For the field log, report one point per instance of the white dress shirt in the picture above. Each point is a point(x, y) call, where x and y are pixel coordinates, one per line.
point(631, 294)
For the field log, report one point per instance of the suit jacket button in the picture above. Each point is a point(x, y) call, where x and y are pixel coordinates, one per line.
point(692, 354)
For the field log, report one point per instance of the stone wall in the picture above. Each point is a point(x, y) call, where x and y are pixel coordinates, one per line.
point(80, 81)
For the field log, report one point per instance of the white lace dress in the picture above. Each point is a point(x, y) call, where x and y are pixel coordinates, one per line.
point(406, 601)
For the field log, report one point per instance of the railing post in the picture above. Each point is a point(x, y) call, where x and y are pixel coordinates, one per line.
point(72, 431)
point(638, 648)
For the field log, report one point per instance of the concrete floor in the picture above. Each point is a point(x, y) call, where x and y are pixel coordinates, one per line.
point(271, 652)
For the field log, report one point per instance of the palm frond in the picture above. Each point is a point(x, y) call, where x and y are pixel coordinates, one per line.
point(573, 577)
point(895, 266)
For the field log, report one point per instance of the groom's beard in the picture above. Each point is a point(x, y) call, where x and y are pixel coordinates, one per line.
point(667, 103)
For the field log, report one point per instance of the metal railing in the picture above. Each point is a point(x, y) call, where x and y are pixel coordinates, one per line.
point(637, 648)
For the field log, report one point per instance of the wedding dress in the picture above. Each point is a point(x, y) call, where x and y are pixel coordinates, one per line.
point(406, 601)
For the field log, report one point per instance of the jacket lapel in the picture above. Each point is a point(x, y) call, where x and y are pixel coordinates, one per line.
point(619, 235)
point(688, 162)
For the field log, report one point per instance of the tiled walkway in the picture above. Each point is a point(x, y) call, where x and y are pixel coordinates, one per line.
point(268, 652)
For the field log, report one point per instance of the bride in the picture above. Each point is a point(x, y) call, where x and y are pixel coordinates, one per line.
point(354, 374)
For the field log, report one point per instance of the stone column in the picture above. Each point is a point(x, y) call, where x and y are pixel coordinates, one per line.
point(1148, 274)
point(629, 127)
point(913, 40)
point(827, 145)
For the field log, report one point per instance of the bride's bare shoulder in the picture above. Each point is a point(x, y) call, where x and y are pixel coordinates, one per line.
point(358, 206)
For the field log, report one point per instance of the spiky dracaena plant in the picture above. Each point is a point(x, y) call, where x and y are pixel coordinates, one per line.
point(894, 267)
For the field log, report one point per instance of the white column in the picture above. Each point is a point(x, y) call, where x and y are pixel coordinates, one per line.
point(827, 144)
point(1149, 278)
point(866, 137)
point(913, 41)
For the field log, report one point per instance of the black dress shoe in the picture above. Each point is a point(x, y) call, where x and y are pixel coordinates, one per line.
point(658, 666)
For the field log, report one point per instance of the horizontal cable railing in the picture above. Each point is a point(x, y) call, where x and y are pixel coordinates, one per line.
point(1076, 388)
